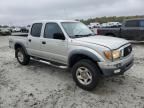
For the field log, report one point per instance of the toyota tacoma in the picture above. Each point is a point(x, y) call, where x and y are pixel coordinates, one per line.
point(74, 45)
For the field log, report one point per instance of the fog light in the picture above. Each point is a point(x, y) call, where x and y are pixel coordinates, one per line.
point(117, 71)
point(118, 65)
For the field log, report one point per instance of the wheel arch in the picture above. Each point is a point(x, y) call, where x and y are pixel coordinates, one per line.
point(77, 55)
point(20, 45)
point(110, 34)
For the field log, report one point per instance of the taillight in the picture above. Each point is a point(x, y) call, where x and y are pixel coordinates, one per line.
point(98, 32)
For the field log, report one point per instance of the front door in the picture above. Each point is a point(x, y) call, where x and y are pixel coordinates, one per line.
point(131, 30)
point(141, 30)
point(53, 44)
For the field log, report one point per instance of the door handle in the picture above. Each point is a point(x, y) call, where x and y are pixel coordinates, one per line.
point(29, 40)
point(43, 42)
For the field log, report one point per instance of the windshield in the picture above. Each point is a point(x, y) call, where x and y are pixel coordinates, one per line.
point(77, 29)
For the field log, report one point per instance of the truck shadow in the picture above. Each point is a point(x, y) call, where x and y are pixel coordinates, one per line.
point(50, 69)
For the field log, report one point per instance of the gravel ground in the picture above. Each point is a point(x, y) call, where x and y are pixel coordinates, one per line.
point(43, 86)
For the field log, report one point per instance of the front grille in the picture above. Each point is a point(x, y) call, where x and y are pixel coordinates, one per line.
point(127, 50)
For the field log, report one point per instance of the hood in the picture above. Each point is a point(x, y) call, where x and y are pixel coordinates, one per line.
point(107, 41)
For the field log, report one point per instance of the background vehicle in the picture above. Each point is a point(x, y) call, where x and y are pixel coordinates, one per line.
point(5, 31)
point(73, 44)
point(95, 25)
point(24, 30)
point(132, 29)
point(111, 25)
point(16, 29)
point(104, 25)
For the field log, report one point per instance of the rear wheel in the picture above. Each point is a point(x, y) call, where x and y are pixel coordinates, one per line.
point(22, 57)
point(86, 74)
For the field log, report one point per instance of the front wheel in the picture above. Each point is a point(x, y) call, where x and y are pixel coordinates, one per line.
point(22, 57)
point(86, 74)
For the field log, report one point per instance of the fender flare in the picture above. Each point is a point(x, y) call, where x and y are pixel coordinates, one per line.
point(96, 57)
point(22, 45)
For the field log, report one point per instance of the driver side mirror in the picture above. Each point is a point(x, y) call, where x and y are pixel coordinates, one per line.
point(59, 36)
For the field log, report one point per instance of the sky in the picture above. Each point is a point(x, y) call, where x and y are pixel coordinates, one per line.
point(23, 12)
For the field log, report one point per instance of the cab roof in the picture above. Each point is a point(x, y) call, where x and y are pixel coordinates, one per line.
point(56, 21)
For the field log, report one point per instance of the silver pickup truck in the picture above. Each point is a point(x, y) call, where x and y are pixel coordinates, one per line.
point(72, 44)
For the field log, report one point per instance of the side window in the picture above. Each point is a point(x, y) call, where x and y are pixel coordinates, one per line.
point(52, 29)
point(36, 29)
point(133, 23)
point(142, 23)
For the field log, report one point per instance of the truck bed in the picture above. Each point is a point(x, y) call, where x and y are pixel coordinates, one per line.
point(22, 38)
point(20, 34)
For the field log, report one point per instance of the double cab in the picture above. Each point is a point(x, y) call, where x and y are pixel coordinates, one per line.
point(73, 44)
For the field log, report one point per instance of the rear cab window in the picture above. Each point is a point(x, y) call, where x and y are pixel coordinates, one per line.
point(36, 29)
point(142, 23)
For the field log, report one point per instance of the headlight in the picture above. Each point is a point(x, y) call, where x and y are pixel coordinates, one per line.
point(115, 54)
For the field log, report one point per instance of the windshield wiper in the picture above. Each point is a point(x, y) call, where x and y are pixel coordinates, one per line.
point(91, 34)
point(85, 35)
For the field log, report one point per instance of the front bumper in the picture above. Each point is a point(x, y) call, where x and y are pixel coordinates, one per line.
point(117, 67)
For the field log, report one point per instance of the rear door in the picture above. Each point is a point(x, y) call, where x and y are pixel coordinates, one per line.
point(141, 35)
point(131, 30)
point(52, 48)
point(34, 40)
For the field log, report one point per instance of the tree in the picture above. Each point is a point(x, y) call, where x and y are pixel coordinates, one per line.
point(109, 19)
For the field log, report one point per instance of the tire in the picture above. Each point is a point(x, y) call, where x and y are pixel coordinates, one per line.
point(110, 35)
point(93, 72)
point(24, 59)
